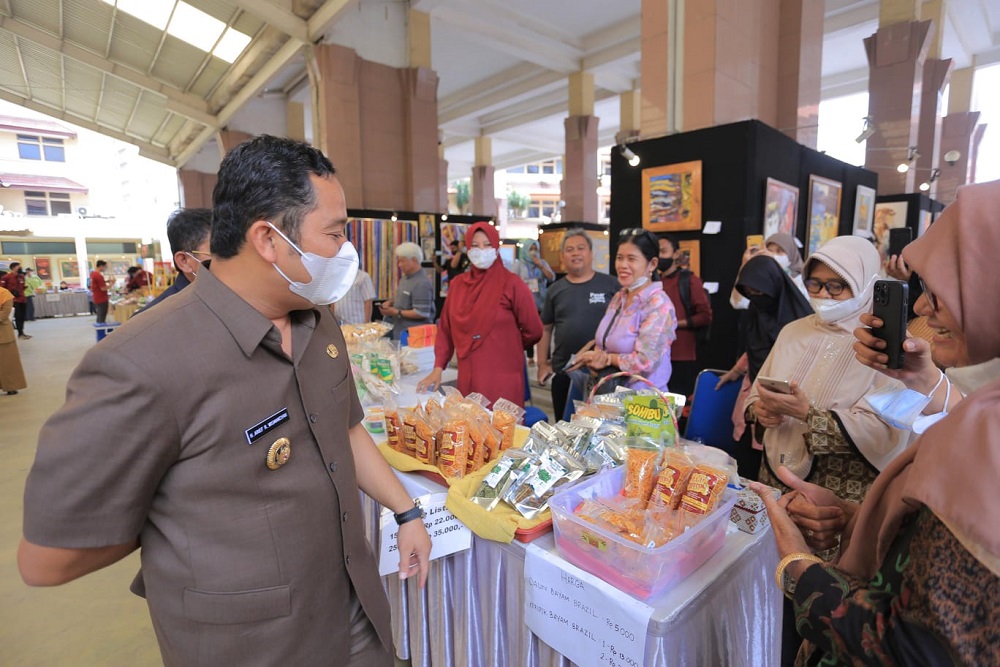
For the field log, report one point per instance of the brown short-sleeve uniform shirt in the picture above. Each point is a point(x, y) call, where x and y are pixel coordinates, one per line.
point(161, 437)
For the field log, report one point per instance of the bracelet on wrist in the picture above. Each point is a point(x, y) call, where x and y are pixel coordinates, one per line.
point(779, 573)
point(409, 515)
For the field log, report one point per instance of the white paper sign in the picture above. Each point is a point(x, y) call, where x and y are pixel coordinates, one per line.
point(712, 227)
point(448, 534)
point(588, 620)
point(711, 288)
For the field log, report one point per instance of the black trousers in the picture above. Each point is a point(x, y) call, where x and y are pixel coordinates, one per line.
point(560, 392)
point(20, 315)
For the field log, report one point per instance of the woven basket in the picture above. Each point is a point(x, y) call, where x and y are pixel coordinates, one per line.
point(623, 374)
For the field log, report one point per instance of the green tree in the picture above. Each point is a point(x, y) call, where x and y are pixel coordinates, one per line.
point(462, 195)
point(517, 202)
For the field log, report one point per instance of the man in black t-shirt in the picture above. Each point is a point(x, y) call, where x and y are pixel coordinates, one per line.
point(574, 306)
point(457, 263)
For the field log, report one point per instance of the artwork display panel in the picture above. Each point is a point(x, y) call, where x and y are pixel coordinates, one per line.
point(864, 211)
point(781, 208)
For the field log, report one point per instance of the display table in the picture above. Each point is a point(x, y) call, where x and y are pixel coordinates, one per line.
point(471, 613)
point(56, 304)
point(121, 312)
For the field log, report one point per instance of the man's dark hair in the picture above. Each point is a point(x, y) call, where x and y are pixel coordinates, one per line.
point(14, 265)
point(100, 263)
point(672, 240)
point(132, 269)
point(187, 228)
point(454, 243)
point(265, 178)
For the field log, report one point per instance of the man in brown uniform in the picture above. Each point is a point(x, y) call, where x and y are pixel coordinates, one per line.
point(222, 432)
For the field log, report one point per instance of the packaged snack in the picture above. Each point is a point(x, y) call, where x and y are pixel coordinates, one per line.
point(506, 416)
point(640, 473)
point(409, 417)
point(393, 426)
point(489, 492)
point(432, 406)
point(648, 416)
point(474, 459)
point(672, 480)
point(609, 451)
point(556, 469)
point(452, 444)
point(544, 435)
point(491, 441)
point(579, 436)
point(659, 527)
point(452, 397)
point(424, 446)
point(478, 399)
point(704, 489)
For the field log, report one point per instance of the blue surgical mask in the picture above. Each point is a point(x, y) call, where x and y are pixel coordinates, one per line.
point(899, 407)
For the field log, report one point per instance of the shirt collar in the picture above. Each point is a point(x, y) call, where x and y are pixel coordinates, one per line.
point(246, 324)
point(970, 378)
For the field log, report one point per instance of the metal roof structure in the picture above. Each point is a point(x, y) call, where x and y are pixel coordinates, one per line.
point(502, 65)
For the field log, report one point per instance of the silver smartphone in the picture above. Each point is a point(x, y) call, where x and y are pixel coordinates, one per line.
point(773, 384)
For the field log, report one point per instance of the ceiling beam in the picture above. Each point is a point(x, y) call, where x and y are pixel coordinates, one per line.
point(184, 104)
point(277, 16)
point(535, 115)
point(503, 97)
point(507, 77)
point(324, 17)
point(152, 151)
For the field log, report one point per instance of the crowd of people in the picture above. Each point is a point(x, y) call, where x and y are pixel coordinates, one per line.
point(887, 531)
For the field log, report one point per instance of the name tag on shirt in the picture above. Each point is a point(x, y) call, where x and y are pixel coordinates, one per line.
point(533, 284)
point(258, 431)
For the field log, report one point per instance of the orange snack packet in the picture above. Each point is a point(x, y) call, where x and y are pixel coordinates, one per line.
point(506, 416)
point(425, 451)
point(477, 447)
point(452, 448)
point(672, 480)
point(409, 440)
point(704, 490)
point(640, 473)
point(394, 427)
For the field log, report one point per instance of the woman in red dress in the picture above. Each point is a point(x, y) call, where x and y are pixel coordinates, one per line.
point(489, 318)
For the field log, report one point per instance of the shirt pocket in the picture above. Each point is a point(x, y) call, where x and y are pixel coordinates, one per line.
point(227, 608)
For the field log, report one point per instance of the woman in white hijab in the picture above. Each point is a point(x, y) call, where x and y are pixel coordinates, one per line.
point(824, 431)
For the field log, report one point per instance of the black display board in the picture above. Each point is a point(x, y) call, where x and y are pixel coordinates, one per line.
point(737, 160)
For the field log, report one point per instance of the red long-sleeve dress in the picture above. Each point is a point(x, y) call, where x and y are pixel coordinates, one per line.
point(495, 368)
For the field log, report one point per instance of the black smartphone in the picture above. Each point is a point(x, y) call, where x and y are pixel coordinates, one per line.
point(899, 238)
point(890, 304)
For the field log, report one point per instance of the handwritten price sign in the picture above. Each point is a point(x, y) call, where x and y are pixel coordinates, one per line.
point(448, 534)
point(587, 620)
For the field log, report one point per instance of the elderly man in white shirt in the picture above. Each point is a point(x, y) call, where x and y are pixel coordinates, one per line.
point(413, 303)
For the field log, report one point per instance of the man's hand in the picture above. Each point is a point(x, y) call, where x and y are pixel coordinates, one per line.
point(414, 550)
point(544, 368)
point(795, 404)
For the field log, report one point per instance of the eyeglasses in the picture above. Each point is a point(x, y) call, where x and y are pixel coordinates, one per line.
point(931, 298)
point(833, 287)
point(200, 252)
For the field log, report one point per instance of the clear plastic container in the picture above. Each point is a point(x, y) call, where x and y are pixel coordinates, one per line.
point(638, 571)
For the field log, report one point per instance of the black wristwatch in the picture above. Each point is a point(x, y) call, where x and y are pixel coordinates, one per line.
point(409, 515)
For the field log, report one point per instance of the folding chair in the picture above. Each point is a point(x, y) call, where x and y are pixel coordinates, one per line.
point(710, 420)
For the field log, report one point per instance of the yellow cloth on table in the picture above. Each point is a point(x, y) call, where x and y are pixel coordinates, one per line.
point(498, 524)
point(406, 463)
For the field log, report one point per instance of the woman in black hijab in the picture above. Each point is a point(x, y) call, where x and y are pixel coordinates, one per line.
point(774, 302)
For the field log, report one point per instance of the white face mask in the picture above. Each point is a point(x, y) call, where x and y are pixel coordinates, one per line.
point(831, 310)
point(783, 261)
point(639, 282)
point(331, 277)
point(482, 258)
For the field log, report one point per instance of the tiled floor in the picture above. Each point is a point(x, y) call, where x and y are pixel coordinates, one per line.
point(94, 620)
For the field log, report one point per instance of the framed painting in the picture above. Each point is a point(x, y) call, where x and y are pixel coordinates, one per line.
point(864, 211)
point(69, 268)
point(691, 256)
point(119, 267)
point(426, 222)
point(781, 208)
point(671, 197)
point(888, 215)
point(427, 245)
point(925, 221)
point(824, 212)
point(43, 268)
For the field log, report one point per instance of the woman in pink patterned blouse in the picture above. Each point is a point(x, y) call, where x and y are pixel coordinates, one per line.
point(640, 324)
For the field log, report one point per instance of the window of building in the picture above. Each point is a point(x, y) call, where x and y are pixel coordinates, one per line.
point(543, 208)
point(33, 147)
point(47, 203)
point(516, 170)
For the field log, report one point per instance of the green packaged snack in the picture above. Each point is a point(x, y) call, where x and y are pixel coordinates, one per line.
point(489, 491)
point(647, 416)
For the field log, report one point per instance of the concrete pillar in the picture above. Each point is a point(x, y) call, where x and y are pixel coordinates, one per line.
point(335, 77)
point(442, 181)
point(418, 31)
point(935, 77)
point(897, 11)
point(960, 133)
point(630, 112)
point(82, 259)
point(579, 181)
point(482, 199)
point(896, 55)
point(657, 68)
point(800, 58)
point(196, 188)
point(421, 163)
point(295, 121)
point(227, 140)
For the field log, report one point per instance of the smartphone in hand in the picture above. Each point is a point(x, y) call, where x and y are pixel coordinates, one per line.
point(899, 238)
point(890, 304)
point(774, 384)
